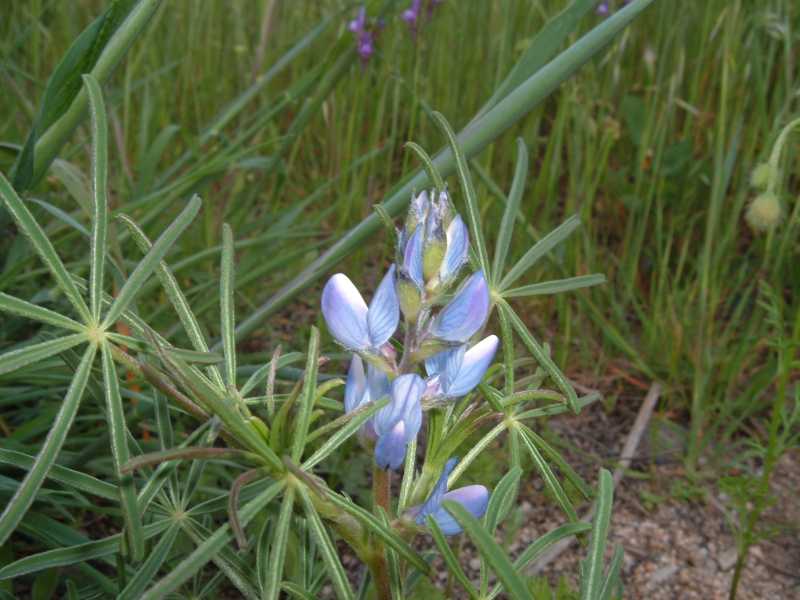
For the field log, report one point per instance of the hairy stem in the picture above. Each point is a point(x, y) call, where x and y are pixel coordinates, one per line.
point(382, 498)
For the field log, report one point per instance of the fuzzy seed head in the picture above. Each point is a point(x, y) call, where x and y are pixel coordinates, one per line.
point(764, 212)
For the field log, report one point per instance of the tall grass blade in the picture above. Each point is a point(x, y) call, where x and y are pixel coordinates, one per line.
point(470, 197)
point(543, 47)
point(111, 50)
point(26, 492)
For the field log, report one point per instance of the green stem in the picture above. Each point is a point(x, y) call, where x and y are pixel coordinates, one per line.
point(382, 497)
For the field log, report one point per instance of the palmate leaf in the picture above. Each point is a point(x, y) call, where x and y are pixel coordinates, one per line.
point(510, 214)
point(210, 547)
point(19, 504)
point(150, 262)
point(330, 555)
point(43, 247)
point(150, 567)
point(542, 357)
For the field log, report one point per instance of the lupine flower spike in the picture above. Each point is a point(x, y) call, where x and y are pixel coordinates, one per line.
point(353, 324)
point(475, 498)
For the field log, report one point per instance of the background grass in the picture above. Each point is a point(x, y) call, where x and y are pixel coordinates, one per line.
point(652, 145)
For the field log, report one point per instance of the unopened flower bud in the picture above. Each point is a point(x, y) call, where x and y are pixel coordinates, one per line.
point(762, 176)
point(409, 296)
point(764, 212)
point(433, 253)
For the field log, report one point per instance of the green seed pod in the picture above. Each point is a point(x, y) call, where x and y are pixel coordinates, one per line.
point(763, 176)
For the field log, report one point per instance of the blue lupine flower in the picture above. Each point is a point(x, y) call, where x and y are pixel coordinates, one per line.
point(475, 498)
point(362, 388)
point(397, 423)
point(457, 249)
point(351, 322)
point(455, 372)
point(466, 313)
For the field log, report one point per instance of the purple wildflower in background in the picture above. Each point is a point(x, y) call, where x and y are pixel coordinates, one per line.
point(412, 15)
point(604, 8)
point(365, 38)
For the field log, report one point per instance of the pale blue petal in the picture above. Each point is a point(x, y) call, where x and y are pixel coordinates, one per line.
point(438, 362)
point(356, 386)
point(405, 405)
point(472, 368)
point(434, 501)
point(377, 383)
point(466, 312)
point(475, 498)
point(384, 311)
point(391, 447)
point(412, 258)
point(345, 312)
point(457, 249)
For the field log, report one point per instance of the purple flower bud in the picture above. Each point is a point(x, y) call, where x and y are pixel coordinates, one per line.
point(466, 312)
point(397, 423)
point(411, 15)
point(602, 8)
point(359, 24)
point(351, 322)
point(455, 372)
point(475, 498)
